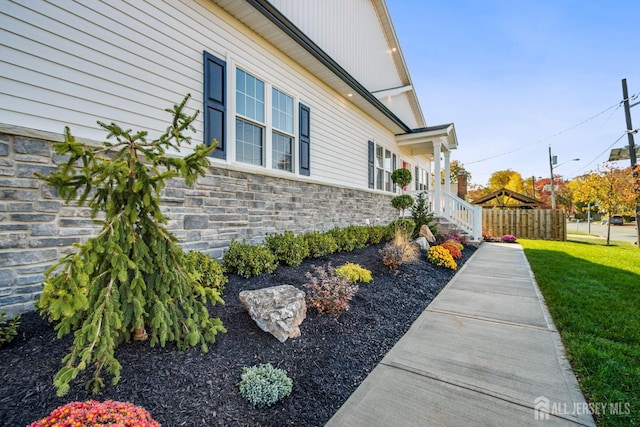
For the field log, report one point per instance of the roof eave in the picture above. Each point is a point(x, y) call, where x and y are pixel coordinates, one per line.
point(271, 24)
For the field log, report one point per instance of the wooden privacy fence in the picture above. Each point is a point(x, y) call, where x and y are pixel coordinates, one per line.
point(542, 224)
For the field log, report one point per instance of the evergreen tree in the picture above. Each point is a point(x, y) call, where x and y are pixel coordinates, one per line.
point(422, 216)
point(132, 275)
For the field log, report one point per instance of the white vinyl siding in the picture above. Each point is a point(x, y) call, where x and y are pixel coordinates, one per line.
point(72, 63)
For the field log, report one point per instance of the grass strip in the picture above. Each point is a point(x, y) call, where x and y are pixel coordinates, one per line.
point(593, 293)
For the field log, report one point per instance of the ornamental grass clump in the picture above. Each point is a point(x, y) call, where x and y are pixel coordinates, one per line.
point(264, 385)
point(94, 414)
point(400, 250)
point(437, 255)
point(354, 273)
point(132, 279)
point(327, 292)
point(453, 249)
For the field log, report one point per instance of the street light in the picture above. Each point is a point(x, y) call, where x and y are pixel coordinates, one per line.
point(552, 161)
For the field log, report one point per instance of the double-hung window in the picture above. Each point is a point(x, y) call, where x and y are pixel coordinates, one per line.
point(250, 119)
point(382, 163)
point(265, 130)
point(282, 134)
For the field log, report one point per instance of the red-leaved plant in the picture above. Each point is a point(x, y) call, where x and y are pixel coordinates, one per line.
point(94, 414)
point(328, 292)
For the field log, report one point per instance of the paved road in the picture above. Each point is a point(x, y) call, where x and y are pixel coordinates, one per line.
point(625, 233)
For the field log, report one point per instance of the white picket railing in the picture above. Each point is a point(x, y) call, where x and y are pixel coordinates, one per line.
point(461, 214)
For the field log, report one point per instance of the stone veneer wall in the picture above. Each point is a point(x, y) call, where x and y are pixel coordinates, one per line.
point(37, 227)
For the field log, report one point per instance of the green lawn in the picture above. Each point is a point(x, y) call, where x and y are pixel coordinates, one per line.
point(593, 294)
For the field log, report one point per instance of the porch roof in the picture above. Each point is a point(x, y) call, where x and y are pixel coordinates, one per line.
point(420, 141)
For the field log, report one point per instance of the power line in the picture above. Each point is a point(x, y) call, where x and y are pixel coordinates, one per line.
point(598, 156)
point(616, 106)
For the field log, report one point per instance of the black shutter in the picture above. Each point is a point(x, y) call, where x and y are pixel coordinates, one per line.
point(305, 140)
point(393, 168)
point(416, 178)
point(372, 164)
point(215, 96)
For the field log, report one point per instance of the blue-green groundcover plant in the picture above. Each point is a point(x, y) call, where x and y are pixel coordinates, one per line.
point(263, 385)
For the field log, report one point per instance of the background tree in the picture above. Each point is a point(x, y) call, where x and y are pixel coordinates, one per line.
point(132, 275)
point(610, 187)
point(455, 168)
point(508, 179)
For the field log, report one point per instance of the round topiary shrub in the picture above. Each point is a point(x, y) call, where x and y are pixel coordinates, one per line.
point(94, 414)
point(401, 177)
point(264, 385)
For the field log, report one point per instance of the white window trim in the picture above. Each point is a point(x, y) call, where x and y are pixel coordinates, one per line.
point(232, 66)
point(384, 173)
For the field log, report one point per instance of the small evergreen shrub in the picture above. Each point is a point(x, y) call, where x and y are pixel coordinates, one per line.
point(264, 385)
point(248, 260)
point(354, 273)
point(341, 238)
point(351, 237)
point(8, 328)
point(288, 248)
point(453, 249)
point(94, 414)
point(320, 244)
point(437, 255)
point(405, 224)
point(377, 233)
point(327, 292)
point(209, 273)
point(358, 236)
point(422, 216)
point(508, 238)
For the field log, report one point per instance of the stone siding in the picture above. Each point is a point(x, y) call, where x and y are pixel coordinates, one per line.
point(37, 227)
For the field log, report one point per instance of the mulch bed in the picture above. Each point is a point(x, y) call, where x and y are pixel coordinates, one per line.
point(189, 388)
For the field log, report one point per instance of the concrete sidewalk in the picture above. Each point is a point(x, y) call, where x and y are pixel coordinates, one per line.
point(484, 353)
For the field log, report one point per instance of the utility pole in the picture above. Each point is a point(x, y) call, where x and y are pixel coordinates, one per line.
point(632, 154)
point(553, 189)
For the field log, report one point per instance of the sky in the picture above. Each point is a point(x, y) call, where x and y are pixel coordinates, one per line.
point(518, 76)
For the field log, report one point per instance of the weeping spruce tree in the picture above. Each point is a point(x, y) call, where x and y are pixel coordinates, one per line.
point(131, 280)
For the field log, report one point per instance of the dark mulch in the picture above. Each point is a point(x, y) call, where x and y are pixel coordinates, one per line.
point(190, 388)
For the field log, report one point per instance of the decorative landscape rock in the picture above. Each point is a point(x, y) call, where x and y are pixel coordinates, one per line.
point(278, 310)
point(423, 243)
point(426, 233)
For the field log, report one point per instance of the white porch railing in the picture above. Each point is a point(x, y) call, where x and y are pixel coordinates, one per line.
point(461, 214)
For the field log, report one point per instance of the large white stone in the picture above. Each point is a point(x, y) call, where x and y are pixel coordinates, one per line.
point(278, 310)
point(422, 242)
